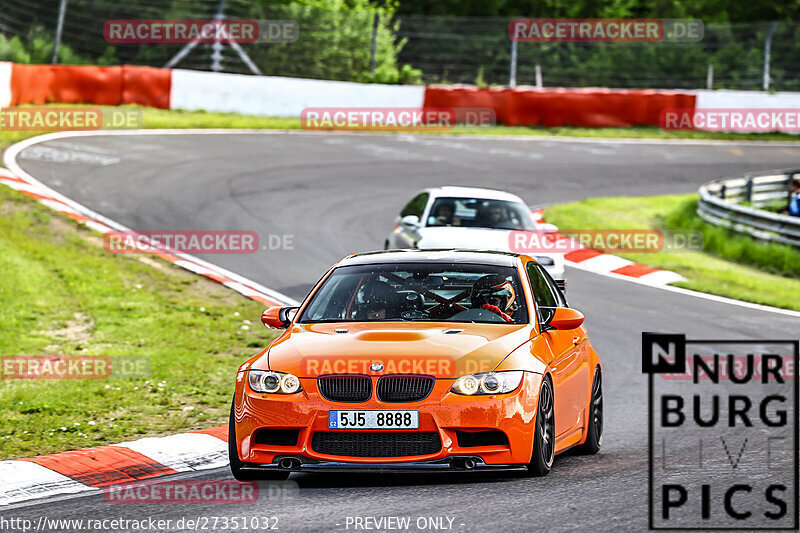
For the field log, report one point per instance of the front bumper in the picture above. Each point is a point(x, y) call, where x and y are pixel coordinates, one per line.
point(299, 463)
point(442, 412)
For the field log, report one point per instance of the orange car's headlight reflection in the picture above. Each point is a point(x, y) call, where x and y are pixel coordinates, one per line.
point(273, 382)
point(488, 383)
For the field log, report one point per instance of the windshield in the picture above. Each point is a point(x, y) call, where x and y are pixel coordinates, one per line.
point(419, 292)
point(480, 213)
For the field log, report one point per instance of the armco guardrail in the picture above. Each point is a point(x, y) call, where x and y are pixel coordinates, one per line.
point(721, 204)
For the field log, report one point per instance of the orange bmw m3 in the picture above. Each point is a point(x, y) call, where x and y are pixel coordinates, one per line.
point(406, 361)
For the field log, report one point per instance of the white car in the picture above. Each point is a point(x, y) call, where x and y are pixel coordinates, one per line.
point(470, 219)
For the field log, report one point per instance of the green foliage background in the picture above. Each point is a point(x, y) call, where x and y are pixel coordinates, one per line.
point(442, 41)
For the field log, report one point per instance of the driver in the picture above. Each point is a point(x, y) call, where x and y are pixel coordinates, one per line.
point(444, 213)
point(376, 311)
point(494, 293)
point(495, 215)
point(379, 301)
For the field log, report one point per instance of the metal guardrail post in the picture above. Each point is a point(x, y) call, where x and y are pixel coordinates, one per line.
point(512, 75)
point(748, 190)
point(722, 191)
point(767, 53)
point(62, 9)
point(376, 19)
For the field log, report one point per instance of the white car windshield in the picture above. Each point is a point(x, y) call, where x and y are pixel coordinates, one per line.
point(480, 213)
point(419, 292)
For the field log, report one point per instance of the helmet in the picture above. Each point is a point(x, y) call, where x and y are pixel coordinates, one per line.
point(494, 289)
point(378, 295)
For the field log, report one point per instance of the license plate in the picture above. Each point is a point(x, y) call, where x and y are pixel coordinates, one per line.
point(373, 419)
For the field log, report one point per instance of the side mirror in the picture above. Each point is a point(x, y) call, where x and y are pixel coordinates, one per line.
point(546, 228)
point(278, 317)
point(410, 221)
point(565, 318)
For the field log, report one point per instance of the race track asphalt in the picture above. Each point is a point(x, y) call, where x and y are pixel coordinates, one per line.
point(336, 194)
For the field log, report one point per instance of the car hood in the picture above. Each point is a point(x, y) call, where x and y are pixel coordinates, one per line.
point(441, 349)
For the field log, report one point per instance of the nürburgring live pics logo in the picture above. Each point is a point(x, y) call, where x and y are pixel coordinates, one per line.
point(723, 433)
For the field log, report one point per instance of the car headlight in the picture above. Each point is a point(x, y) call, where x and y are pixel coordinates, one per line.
point(273, 382)
point(487, 383)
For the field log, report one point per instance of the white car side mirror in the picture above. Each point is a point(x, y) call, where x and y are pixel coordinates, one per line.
point(410, 220)
point(546, 228)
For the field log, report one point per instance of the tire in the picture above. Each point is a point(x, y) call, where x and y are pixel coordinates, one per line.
point(236, 463)
point(594, 439)
point(544, 440)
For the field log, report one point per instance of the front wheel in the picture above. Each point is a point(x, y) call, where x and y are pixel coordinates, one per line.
point(594, 439)
point(544, 440)
point(236, 463)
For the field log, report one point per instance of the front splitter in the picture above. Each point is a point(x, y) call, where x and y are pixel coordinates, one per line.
point(449, 465)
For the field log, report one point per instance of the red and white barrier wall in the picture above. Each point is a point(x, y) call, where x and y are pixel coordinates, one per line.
point(287, 97)
point(593, 108)
point(192, 90)
point(40, 84)
point(282, 97)
point(5, 84)
point(724, 99)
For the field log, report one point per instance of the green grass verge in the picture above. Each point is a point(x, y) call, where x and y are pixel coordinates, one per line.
point(174, 119)
point(731, 264)
point(63, 294)
point(153, 118)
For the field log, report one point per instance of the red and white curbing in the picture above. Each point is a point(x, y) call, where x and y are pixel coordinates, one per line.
point(612, 265)
point(82, 470)
point(93, 468)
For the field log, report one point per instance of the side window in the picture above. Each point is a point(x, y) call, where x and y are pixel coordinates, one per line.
point(416, 206)
point(542, 293)
point(559, 296)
